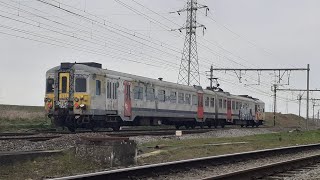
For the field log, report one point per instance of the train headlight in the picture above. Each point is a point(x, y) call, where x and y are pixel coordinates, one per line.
point(76, 99)
point(45, 99)
point(49, 100)
point(82, 106)
point(50, 105)
point(76, 105)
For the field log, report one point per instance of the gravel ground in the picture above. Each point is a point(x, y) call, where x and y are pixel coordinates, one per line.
point(211, 134)
point(69, 140)
point(307, 174)
point(64, 142)
point(228, 168)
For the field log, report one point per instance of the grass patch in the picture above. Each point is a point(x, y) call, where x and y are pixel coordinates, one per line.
point(192, 148)
point(67, 164)
point(51, 166)
point(13, 118)
point(287, 121)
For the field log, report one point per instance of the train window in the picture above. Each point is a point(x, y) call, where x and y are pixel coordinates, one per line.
point(81, 85)
point(114, 90)
point(50, 85)
point(138, 92)
point(237, 105)
point(150, 94)
point(162, 95)
point(212, 102)
point(220, 103)
point(188, 99)
point(173, 97)
point(233, 105)
point(109, 90)
point(194, 100)
point(224, 104)
point(206, 102)
point(64, 84)
point(98, 87)
point(240, 105)
point(181, 98)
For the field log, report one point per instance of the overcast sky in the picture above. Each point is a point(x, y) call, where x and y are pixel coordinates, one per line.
point(135, 36)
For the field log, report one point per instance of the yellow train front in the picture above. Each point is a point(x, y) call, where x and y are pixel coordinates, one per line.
point(70, 93)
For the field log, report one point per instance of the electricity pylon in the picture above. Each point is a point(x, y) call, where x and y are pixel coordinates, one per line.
point(189, 67)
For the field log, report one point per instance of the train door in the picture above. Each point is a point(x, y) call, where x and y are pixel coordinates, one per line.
point(200, 106)
point(229, 111)
point(216, 110)
point(98, 100)
point(127, 99)
point(64, 81)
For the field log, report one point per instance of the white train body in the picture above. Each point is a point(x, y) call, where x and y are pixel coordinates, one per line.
point(87, 96)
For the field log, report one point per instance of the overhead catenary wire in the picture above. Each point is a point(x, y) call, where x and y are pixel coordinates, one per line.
point(175, 23)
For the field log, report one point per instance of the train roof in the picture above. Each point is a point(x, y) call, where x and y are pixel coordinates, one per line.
point(92, 67)
point(78, 66)
point(151, 81)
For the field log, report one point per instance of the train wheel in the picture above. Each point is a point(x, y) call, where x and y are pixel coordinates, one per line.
point(187, 126)
point(222, 125)
point(93, 126)
point(70, 124)
point(177, 127)
point(215, 125)
point(116, 128)
point(209, 126)
point(71, 129)
point(94, 129)
point(242, 125)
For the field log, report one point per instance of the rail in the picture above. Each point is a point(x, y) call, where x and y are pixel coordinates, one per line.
point(146, 171)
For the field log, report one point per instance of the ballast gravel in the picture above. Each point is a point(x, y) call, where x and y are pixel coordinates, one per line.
point(69, 140)
point(210, 171)
point(215, 133)
point(66, 141)
point(306, 174)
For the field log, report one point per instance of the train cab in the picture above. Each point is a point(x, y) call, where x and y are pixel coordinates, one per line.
point(72, 91)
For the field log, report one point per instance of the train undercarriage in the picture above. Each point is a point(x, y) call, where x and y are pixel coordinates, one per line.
point(94, 123)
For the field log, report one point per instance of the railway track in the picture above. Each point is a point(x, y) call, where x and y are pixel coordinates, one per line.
point(280, 170)
point(155, 133)
point(29, 138)
point(14, 157)
point(124, 133)
point(164, 169)
point(9, 134)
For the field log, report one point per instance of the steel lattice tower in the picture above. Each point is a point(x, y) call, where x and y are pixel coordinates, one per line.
point(189, 67)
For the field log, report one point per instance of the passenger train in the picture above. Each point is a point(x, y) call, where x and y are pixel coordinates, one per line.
point(83, 95)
